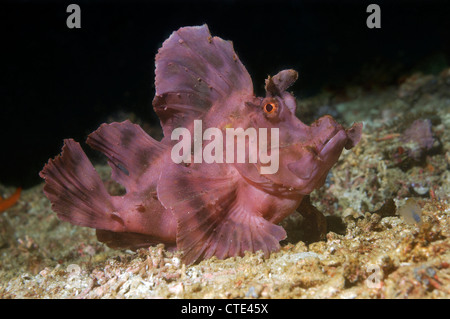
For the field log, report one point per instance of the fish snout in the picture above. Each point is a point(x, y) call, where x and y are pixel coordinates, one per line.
point(317, 158)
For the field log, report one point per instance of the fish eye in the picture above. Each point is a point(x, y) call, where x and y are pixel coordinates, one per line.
point(270, 107)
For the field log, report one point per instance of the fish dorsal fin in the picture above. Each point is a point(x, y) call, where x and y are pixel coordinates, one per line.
point(130, 151)
point(210, 203)
point(194, 71)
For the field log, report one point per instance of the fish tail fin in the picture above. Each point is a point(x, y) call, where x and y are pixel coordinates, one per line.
point(76, 191)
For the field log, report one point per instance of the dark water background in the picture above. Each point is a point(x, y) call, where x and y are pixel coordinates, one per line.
point(58, 83)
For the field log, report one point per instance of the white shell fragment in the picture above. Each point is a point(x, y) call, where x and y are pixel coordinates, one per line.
point(411, 211)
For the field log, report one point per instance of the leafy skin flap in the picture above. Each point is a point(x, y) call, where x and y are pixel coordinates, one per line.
point(193, 71)
point(214, 217)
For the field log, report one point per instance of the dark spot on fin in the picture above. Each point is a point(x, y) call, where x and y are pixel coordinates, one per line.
point(123, 169)
point(141, 208)
point(127, 136)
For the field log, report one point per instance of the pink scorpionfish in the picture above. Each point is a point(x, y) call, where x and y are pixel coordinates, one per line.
point(221, 208)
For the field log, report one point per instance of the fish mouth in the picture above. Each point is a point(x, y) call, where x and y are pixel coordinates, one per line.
point(340, 138)
point(332, 141)
point(314, 161)
point(337, 140)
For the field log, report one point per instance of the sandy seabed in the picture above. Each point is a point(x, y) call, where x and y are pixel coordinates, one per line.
point(370, 250)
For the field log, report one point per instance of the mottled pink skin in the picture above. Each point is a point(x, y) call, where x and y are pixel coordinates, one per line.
point(202, 209)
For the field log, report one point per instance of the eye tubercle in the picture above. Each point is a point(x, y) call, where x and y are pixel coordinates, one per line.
point(279, 83)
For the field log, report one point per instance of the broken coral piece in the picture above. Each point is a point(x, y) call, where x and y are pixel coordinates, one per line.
point(10, 201)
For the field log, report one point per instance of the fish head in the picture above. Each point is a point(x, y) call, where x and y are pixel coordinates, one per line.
point(305, 153)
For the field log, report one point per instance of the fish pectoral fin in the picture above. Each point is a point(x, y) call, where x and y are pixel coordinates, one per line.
point(212, 217)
